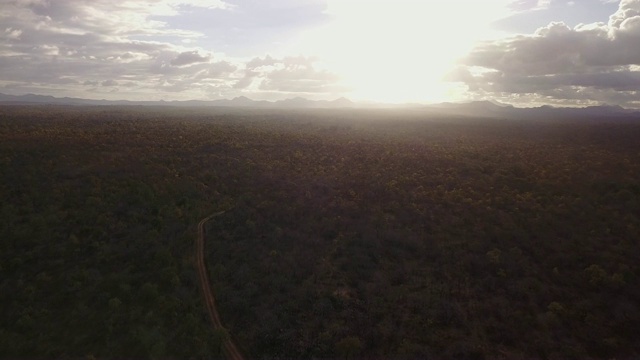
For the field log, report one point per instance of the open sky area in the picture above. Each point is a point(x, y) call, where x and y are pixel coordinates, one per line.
point(521, 52)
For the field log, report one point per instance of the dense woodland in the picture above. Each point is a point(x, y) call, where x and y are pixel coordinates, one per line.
point(348, 233)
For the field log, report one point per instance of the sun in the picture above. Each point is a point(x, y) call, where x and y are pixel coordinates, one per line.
point(400, 50)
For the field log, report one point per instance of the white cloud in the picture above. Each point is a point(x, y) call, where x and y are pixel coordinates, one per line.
point(63, 47)
point(593, 62)
point(189, 58)
point(12, 34)
point(135, 47)
point(109, 83)
point(529, 5)
point(287, 75)
point(378, 49)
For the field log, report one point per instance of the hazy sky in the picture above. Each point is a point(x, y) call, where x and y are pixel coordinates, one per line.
point(524, 52)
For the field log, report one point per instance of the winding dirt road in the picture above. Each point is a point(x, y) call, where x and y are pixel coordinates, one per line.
point(230, 348)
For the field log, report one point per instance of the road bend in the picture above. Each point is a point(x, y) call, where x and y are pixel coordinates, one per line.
point(230, 349)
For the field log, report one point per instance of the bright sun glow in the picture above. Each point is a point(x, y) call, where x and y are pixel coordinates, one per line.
point(399, 50)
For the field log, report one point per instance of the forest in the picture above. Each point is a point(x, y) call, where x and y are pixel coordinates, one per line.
point(347, 233)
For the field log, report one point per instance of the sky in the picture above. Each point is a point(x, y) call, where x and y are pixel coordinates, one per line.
point(520, 52)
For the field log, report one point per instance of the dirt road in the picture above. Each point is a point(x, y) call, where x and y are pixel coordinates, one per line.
point(230, 348)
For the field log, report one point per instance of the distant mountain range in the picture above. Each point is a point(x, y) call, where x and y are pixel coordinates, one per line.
point(240, 101)
point(473, 109)
point(498, 110)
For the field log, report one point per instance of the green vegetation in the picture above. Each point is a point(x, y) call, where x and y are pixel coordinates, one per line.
point(351, 234)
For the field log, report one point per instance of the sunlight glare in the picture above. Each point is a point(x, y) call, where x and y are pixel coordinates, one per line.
point(399, 51)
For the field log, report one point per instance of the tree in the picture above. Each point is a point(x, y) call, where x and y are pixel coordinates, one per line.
point(220, 335)
point(349, 346)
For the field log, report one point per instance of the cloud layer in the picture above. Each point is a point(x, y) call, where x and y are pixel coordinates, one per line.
point(208, 49)
point(588, 64)
point(118, 49)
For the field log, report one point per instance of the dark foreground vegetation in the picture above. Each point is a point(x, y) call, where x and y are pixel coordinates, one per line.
point(350, 234)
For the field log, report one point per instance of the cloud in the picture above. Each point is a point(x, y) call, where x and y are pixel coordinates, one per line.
point(146, 48)
point(12, 34)
point(529, 5)
point(217, 70)
point(627, 16)
point(188, 58)
point(61, 47)
point(592, 62)
point(289, 74)
point(110, 82)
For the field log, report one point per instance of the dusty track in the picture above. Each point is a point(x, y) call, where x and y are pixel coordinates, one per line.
point(230, 349)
